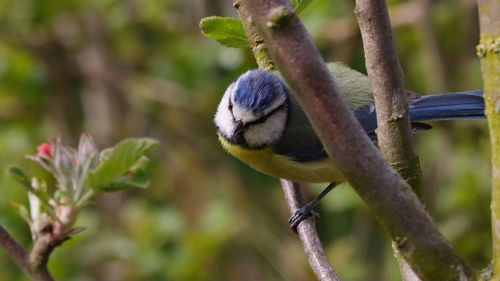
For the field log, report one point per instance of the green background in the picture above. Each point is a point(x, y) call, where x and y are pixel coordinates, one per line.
point(142, 68)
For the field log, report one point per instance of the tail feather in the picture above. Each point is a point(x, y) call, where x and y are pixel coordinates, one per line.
point(463, 105)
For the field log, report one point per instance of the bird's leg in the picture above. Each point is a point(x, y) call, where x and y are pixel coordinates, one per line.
point(307, 210)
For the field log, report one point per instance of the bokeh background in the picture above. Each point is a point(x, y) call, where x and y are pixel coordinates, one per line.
point(142, 68)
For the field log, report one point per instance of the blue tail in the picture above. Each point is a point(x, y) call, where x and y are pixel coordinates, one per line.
point(463, 105)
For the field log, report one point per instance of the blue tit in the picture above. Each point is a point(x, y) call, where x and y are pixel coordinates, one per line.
point(260, 122)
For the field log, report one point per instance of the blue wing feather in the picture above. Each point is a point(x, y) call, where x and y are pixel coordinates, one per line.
point(463, 105)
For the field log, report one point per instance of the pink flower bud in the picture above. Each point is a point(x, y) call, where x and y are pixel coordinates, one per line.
point(44, 149)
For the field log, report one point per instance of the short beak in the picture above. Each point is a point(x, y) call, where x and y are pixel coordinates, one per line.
point(238, 128)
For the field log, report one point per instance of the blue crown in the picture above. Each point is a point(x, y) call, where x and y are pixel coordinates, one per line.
point(257, 89)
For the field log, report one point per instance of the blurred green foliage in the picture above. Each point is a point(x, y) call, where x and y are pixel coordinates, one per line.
point(142, 68)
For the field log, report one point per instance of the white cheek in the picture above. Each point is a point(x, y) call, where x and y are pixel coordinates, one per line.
point(223, 118)
point(268, 132)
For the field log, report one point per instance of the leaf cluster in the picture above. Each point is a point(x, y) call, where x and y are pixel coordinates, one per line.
point(80, 175)
point(229, 31)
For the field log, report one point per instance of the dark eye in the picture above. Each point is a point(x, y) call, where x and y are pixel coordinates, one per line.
point(230, 106)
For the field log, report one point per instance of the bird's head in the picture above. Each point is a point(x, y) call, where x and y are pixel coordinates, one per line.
point(254, 109)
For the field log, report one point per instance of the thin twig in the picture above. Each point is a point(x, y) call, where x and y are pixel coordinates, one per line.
point(34, 263)
point(14, 249)
point(389, 197)
point(257, 44)
point(293, 194)
point(308, 234)
point(43, 246)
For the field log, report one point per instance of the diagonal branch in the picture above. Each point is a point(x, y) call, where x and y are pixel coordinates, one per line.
point(14, 249)
point(308, 234)
point(33, 263)
point(307, 228)
point(390, 198)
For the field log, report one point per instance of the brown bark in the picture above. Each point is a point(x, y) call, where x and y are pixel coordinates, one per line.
point(390, 198)
point(307, 228)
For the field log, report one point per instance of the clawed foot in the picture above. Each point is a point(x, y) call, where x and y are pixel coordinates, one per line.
point(307, 210)
point(301, 214)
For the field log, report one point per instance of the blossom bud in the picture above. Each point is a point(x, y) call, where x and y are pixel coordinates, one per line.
point(44, 149)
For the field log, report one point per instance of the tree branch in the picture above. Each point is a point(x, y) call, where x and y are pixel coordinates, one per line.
point(14, 249)
point(39, 255)
point(394, 132)
point(293, 194)
point(257, 44)
point(34, 263)
point(382, 64)
point(385, 192)
point(489, 52)
point(308, 234)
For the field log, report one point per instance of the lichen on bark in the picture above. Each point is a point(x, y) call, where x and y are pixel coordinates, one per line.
point(488, 51)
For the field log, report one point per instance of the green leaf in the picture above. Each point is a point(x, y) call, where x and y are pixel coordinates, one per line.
point(138, 179)
point(22, 211)
point(84, 200)
point(61, 193)
point(300, 5)
point(104, 155)
point(119, 160)
point(17, 174)
point(227, 31)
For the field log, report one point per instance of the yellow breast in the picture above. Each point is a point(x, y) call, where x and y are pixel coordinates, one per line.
point(280, 166)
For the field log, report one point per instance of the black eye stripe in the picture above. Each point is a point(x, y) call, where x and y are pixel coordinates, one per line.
point(264, 118)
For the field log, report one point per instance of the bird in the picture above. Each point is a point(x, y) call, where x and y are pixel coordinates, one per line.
point(259, 121)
